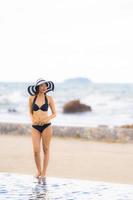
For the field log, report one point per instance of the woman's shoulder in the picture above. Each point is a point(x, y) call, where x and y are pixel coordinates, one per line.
point(31, 97)
point(49, 97)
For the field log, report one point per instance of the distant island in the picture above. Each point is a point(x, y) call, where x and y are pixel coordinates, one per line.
point(77, 80)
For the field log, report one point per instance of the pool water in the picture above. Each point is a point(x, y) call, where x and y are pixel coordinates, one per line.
point(15, 186)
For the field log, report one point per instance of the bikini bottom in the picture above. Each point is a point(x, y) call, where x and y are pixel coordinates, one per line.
point(40, 128)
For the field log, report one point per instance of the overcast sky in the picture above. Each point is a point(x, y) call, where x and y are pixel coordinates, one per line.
point(57, 39)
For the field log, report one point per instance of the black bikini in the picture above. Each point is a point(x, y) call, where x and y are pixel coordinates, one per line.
point(44, 107)
point(40, 128)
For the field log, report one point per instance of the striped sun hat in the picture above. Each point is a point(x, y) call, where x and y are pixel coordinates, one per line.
point(32, 88)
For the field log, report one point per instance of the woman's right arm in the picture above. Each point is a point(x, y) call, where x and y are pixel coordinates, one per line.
point(30, 107)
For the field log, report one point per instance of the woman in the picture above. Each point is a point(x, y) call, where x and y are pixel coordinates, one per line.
point(41, 125)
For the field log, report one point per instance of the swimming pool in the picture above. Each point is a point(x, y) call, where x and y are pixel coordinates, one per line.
point(15, 186)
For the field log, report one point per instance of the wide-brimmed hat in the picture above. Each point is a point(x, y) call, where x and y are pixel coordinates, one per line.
point(32, 88)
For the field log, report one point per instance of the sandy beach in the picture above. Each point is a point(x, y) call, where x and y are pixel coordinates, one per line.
point(71, 158)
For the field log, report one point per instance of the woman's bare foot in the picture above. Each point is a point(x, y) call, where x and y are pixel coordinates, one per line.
point(38, 175)
point(43, 178)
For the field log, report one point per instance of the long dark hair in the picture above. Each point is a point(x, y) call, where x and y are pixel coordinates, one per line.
point(36, 93)
point(37, 90)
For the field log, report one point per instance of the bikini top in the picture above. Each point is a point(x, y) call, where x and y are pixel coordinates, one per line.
point(43, 107)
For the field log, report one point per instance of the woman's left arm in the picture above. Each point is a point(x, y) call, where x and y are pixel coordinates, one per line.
point(53, 108)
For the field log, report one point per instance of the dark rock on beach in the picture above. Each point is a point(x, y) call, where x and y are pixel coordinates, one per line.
point(75, 106)
point(127, 126)
point(12, 110)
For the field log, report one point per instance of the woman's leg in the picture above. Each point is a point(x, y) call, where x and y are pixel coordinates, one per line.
point(36, 138)
point(46, 138)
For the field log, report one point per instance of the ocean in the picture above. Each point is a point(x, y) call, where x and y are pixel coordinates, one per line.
point(112, 104)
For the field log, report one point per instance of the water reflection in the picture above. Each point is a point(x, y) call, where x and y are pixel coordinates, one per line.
point(39, 192)
point(25, 187)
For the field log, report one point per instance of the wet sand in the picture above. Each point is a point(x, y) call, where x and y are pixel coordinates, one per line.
point(70, 158)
